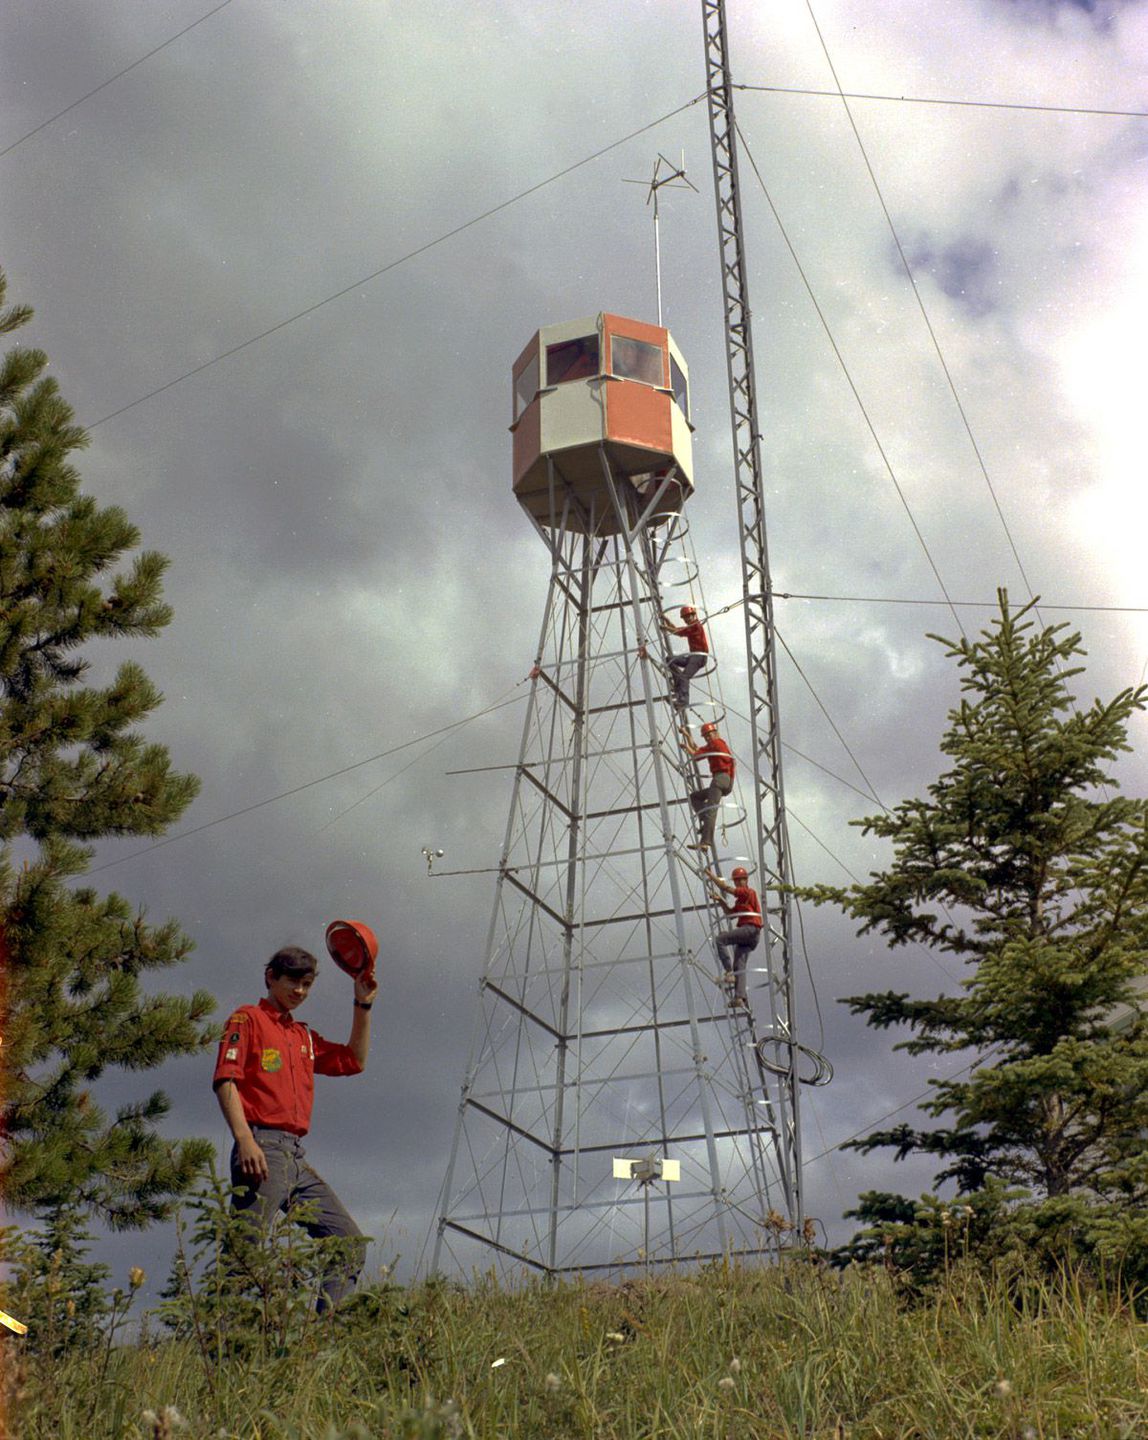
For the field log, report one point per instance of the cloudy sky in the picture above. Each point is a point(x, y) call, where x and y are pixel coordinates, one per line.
point(349, 569)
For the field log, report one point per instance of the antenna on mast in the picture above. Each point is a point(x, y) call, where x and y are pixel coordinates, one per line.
point(671, 175)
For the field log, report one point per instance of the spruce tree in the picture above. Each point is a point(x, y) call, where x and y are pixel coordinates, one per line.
point(73, 768)
point(1025, 863)
point(51, 1280)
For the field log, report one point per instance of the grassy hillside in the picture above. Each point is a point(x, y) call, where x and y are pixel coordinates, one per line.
point(722, 1352)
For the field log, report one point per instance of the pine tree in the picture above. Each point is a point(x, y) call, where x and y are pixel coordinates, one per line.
point(1025, 863)
point(52, 1280)
point(73, 767)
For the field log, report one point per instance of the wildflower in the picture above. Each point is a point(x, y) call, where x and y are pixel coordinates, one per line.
point(616, 1336)
point(165, 1424)
point(70, 1309)
point(553, 1383)
point(451, 1418)
point(136, 1276)
point(735, 1366)
point(1002, 1389)
point(726, 1383)
point(494, 1364)
point(946, 1218)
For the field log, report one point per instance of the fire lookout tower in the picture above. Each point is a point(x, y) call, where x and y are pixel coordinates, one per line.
point(607, 1056)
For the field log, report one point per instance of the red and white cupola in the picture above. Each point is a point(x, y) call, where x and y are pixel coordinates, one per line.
point(588, 390)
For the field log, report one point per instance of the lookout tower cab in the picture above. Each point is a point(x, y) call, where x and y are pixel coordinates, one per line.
point(601, 419)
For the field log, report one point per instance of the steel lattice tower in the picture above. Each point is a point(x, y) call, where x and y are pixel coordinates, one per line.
point(602, 1032)
point(771, 845)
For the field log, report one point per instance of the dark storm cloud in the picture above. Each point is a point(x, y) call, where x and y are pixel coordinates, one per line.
point(963, 269)
point(1101, 12)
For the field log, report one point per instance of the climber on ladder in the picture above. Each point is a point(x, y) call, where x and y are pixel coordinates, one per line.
point(706, 802)
point(745, 933)
point(684, 666)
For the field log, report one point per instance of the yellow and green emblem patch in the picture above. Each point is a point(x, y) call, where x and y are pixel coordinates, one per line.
point(271, 1060)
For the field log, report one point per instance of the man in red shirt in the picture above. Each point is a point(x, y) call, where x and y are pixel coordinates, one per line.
point(264, 1080)
point(685, 666)
point(706, 802)
point(744, 934)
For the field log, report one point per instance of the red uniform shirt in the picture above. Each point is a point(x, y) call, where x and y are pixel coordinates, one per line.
point(716, 751)
point(695, 636)
point(273, 1060)
point(746, 906)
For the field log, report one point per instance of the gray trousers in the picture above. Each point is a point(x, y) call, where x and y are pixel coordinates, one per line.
point(706, 803)
point(291, 1182)
point(742, 939)
point(682, 670)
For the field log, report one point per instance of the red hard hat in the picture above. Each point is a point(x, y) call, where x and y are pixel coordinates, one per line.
point(687, 611)
point(709, 728)
point(353, 947)
point(739, 873)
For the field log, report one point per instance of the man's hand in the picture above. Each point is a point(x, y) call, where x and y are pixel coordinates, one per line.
point(252, 1161)
point(366, 990)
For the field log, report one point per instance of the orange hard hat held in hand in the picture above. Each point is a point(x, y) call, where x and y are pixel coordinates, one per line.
point(353, 947)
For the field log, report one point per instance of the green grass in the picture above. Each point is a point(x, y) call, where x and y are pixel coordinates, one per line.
point(720, 1353)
